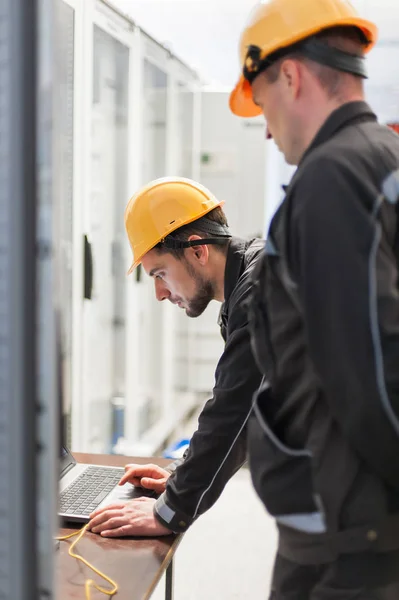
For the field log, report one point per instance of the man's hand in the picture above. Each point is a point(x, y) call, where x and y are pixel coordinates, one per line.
point(127, 518)
point(150, 477)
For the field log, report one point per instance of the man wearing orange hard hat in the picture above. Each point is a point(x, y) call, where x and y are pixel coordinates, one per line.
point(324, 439)
point(178, 232)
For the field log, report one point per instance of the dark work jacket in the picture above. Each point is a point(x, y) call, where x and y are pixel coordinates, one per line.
point(324, 446)
point(218, 447)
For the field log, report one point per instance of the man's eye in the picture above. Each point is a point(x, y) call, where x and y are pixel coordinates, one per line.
point(159, 276)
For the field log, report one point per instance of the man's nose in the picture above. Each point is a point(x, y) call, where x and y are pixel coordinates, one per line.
point(161, 291)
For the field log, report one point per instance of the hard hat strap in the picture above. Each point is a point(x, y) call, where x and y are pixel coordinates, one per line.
point(314, 49)
point(333, 57)
point(220, 233)
point(173, 244)
point(205, 225)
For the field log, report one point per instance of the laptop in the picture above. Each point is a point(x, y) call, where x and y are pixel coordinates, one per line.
point(84, 488)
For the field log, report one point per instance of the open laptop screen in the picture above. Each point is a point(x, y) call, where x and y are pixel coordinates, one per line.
point(66, 460)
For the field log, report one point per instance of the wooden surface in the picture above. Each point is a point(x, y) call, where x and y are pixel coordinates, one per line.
point(135, 564)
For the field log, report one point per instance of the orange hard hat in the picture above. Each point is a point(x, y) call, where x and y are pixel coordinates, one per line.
point(277, 24)
point(162, 206)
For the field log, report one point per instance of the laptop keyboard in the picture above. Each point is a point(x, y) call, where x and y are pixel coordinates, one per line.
point(88, 490)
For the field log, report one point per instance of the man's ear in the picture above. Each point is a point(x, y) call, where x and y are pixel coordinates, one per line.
point(291, 77)
point(200, 253)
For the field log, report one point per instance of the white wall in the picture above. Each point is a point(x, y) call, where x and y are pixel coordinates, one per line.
point(232, 167)
point(204, 33)
point(236, 149)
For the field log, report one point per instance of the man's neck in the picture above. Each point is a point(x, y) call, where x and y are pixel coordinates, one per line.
point(317, 120)
point(219, 267)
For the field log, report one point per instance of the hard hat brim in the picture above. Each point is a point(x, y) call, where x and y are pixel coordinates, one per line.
point(133, 266)
point(241, 101)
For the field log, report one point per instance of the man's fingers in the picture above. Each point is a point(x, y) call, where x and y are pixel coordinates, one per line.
point(148, 482)
point(134, 474)
point(128, 477)
point(119, 532)
point(158, 485)
point(150, 470)
point(103, 515)
point(112, 523)
point(143, 470)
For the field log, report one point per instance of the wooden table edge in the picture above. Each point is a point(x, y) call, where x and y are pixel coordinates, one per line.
point(164, 565)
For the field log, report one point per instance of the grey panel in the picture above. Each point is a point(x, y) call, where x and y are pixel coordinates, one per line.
point(5, 461)
point(27, 426)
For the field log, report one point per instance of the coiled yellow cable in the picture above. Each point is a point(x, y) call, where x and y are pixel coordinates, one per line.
point(89, 582)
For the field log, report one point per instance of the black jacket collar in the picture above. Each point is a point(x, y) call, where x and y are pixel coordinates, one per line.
point(234, 265)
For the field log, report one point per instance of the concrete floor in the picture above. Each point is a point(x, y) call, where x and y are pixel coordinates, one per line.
point(228, 553)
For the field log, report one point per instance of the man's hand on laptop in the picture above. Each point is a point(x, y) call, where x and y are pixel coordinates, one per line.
point(135, 517)
point(150, 477)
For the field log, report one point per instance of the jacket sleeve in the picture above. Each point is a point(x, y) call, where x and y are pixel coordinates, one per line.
point(171, 467)
point(342, 260)
point(218, 447)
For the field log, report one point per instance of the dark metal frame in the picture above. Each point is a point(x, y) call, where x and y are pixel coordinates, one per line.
point(169, 582)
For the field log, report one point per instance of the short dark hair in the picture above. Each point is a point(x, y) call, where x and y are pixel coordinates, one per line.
point(199, 227)
point(346, 38)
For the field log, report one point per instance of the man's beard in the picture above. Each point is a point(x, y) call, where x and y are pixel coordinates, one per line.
point(205, 293)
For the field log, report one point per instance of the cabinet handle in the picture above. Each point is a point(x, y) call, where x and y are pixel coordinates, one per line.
point(88, 269)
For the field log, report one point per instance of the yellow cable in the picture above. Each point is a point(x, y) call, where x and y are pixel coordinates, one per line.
point(89, 582)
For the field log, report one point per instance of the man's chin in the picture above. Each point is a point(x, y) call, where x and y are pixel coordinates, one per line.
point(194, 313)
